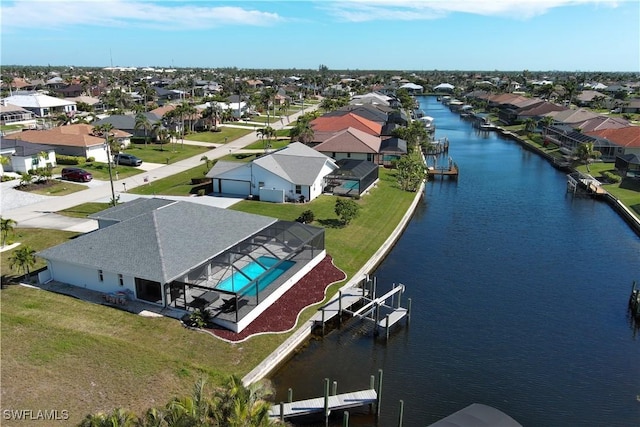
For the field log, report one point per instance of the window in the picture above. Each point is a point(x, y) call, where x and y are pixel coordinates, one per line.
point(348, 155)
point(298, 189)
point(100, 276)
point(120, 280)
point(260, 184)
point(369, 157)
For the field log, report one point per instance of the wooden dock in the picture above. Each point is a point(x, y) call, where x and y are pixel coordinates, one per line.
point(451, 171)
point(317, 405)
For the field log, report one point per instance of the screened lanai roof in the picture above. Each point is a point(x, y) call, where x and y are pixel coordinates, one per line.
point(353, 168)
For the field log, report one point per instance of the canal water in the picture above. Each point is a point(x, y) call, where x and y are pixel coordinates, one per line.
point(519, 296)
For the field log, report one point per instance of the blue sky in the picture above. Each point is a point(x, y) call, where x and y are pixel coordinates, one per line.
point(509, 35)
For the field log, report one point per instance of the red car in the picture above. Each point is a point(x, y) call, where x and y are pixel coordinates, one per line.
point(76, 174)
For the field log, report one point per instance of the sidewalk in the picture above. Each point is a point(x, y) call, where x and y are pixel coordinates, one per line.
point(41, 212)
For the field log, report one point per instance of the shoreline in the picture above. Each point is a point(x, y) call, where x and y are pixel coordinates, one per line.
point(625, 213)
point(303, 332)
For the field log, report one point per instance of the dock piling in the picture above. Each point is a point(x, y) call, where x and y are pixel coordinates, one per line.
point(326, 401)
point(334, 388)
point(345, 419)
point(401, 414)
point(379, 392)
point(290, 395)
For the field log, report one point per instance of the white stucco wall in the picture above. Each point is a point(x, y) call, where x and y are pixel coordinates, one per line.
point(89, 278)
point(98, 152)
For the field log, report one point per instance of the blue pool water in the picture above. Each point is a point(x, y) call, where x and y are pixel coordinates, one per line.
point(238, 281)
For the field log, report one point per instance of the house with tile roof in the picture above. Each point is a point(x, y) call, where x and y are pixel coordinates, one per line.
point(295, 172)
point(350, 120)
point(187, 256)
point(72, 140)
point(626, 137)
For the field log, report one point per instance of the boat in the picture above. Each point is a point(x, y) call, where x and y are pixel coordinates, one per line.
point(427, 121)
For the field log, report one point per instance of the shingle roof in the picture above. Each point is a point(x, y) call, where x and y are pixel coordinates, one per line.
point(296, 163)
point(350, 140)
point(162, 244)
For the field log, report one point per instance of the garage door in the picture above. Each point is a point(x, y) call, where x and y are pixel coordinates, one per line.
point(234, 187)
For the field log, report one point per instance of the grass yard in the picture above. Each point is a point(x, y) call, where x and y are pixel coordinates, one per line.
point(62, 353)
point(38, 239)
point(52, 187)
point(174, 152)
point(226, 134)
point(275, 144)
point(174, 185)
point(84, 210)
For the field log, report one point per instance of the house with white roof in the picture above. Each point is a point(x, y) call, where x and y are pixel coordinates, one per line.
point(295, 172)
point(40, 104)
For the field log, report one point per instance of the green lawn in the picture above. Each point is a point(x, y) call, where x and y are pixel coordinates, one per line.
point(53, 187)
point(174, 185)
point(167, 153)
point(275, 144)
point(84, 210)
point(226, 134)
point(37, 239)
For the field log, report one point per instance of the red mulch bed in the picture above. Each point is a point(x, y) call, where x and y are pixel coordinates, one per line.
point(283, 314)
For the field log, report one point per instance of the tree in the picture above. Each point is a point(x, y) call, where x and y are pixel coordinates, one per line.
point(142, 122)
point(410, 172)
point(117, 418)
point(6, 227)
point(529, 125)
point(4, 160)
point(237, 405)
point(24, 258)
point(586, 153)
point(347, 210)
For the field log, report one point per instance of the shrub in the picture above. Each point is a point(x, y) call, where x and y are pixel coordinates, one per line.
point(201, 192)
point(69, 160)
point(612, 177)
point(306, 217)
point(91, 159)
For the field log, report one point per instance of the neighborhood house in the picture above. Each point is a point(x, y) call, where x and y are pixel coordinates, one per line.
point(188, 256)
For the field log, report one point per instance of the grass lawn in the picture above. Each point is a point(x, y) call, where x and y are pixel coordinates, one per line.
point(53, 187)
point(627, 191)
point(275, 144)
point(174, 185)
point(156, 153)
point(60, 353)
point(226, 134)
point(84, 210)
point(37, 239)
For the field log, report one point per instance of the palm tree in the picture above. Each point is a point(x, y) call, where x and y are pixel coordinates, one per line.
point(142, 122)
point(163, 137)
point(4, 160)
point(24, 258)
point(117, 418)
point(529, 125)
point(238, 405)
point(6, 226)
point(586, 153)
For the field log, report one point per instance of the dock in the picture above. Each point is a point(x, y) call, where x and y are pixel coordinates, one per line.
point(372, 308)
point(579, 182)
point(450, 170)
point(331, 401)
point(317, 405)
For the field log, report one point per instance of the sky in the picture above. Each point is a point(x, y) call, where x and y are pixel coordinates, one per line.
point(474, 35)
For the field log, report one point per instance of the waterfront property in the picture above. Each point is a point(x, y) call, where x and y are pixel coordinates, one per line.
point(187, 256)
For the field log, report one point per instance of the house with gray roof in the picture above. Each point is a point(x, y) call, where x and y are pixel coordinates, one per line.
point(295, 172)
point(127, 123)
point(189, 256)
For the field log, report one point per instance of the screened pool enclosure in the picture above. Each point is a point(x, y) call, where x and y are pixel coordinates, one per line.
point(233, 283)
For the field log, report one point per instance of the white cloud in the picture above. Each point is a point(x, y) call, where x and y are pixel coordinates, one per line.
point(125, 13)
point(411, 10)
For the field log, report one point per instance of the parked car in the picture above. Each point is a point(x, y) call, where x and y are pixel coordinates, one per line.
point(126, 159)
point(76, 174)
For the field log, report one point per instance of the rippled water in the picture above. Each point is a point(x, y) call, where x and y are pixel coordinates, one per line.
point(519, 295)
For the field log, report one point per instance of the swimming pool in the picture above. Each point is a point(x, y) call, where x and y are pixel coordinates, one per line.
point(237, 281)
